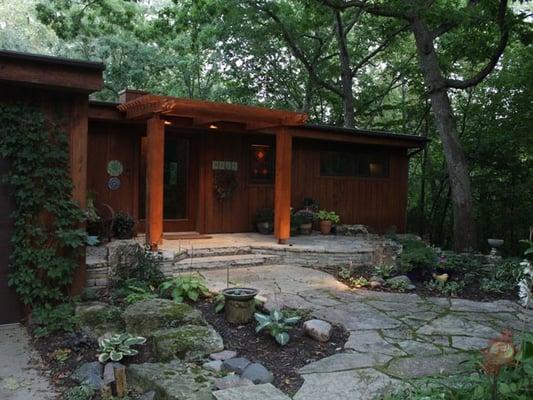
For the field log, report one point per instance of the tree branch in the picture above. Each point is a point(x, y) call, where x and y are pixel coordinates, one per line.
point(369, 8)
point(487, 69)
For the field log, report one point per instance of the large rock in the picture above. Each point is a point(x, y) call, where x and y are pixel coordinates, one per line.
point(236, 365)
point(186, 342)
point(172, 381)
point(223, 355)
point(257, 373)
point(318, 329)
point(90, 374)
point(98, 318)
point(401, 280)
point(144, 317)
point(231, 381)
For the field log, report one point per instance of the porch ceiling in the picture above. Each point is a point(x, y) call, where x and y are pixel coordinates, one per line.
point(205, 113)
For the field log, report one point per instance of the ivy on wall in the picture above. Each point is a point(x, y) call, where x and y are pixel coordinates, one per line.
point(46, 238)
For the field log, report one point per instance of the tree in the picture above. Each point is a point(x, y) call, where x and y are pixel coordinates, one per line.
point(429, 21)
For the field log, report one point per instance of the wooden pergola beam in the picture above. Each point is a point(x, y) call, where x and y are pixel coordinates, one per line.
point(282, 185)
point(155, 132)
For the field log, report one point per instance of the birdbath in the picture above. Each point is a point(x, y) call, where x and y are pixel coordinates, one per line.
point(494, 244)
point(239, 306)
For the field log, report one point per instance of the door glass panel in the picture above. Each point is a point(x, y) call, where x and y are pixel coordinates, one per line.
point(175, 180)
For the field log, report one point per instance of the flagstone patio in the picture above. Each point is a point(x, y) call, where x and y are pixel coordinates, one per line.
point(394, 337)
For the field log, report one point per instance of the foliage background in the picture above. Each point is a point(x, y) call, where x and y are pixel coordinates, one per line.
point(224, 50)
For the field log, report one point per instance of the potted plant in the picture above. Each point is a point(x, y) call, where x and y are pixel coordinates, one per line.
point(239, 304)
point(264, 220)
point(306, 220)
point(327, 219)
point(123, 226)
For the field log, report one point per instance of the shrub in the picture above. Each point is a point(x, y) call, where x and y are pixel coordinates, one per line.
point(400, 286)
point(118, 346)
point(384, 271)
point(52, 319)
point(331, 216)
point(185, 287)
point(277, 324)
point(123, 226)
point(134, 262)
point(416, 256)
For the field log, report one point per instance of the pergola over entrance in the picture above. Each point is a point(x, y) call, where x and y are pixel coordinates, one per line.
point(158, 110)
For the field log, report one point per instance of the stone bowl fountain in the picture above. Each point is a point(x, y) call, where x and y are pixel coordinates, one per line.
point(239, 306)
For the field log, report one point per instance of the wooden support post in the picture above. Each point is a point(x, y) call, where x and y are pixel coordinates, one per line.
point(282, 187)
point(154, 181)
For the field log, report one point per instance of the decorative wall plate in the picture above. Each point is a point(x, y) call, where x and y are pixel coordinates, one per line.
point(114, 168)
point(113, 183)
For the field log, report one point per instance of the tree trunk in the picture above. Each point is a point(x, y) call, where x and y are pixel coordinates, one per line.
point(456, 164)
point(346, 74)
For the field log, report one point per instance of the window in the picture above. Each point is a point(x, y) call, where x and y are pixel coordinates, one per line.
point(261, 163)
point(355, 163)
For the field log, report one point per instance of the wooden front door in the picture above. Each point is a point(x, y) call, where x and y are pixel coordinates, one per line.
point(10, 310)
point(180, 183)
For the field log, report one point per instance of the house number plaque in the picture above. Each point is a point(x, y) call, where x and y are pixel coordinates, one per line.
point(225, 165)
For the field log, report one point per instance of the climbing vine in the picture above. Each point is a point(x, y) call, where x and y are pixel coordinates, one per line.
point(46, 238)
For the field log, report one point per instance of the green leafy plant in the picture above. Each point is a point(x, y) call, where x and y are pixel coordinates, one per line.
point(331, 216)
point(219, 302)
point(81, 392)
point(185, 287)
point(61, 355)
point(137, 294)
point(448, 288)
point(400, 286)
point(416, 256)
point(359, 282)
point(306, 216)
point(47, 238)
point(118, 346)
point(123, 225)
point(345, 273)
point(277, 324)
point(502, 277)
point(384, 271)
point(50, 319)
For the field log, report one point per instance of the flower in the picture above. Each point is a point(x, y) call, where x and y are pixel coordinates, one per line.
point(501, 352)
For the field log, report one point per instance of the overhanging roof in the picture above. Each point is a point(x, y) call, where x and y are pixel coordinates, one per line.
point(208, 112)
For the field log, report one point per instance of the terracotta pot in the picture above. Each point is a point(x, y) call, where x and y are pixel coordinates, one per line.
point(305, 229)
point(325, 227)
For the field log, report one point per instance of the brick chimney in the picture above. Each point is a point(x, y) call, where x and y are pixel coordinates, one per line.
point(126, 95)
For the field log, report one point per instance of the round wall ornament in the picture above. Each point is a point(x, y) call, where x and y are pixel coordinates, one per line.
point(113, 183)
point(114, 168)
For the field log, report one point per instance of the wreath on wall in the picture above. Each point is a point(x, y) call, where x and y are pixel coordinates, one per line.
point(224, 184)
point(47, 238)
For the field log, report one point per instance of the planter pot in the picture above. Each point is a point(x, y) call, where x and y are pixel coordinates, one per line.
point(325, 227)
point(239, 306)
point(264, 228)
point(305, 229)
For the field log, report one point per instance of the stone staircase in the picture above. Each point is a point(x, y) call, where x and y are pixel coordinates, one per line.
point(216, 257)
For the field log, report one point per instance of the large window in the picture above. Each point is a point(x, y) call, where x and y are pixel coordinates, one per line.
point(261, 163)
point(369, 163)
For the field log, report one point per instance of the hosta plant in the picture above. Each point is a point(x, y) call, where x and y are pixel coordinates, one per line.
point(185, 287)
point(118, 346)
point(277, 324)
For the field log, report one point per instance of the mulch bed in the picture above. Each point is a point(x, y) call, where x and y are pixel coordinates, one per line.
point(282, 361)
point(470, 292)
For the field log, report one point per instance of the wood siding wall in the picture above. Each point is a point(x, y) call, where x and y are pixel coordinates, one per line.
point(379, 203)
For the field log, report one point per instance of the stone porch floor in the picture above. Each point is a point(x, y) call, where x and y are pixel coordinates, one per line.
point(394, 338)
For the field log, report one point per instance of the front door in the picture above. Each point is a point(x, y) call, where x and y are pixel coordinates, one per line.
point(180, 183)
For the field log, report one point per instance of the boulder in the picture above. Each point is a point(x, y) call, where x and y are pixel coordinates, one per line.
point(223, 355)
point(257, 373)
point(187, 342)
point(236, 365)
point(144, 317)
point(255, 392)
point(318, 329)
point(231, 381)
point(90, 374)
point(97, 318)
point(172, 381)
point(351, 230)
point(215, 366)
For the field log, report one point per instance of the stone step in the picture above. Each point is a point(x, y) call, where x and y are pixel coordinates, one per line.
point(239, 260)
point(218, 251)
